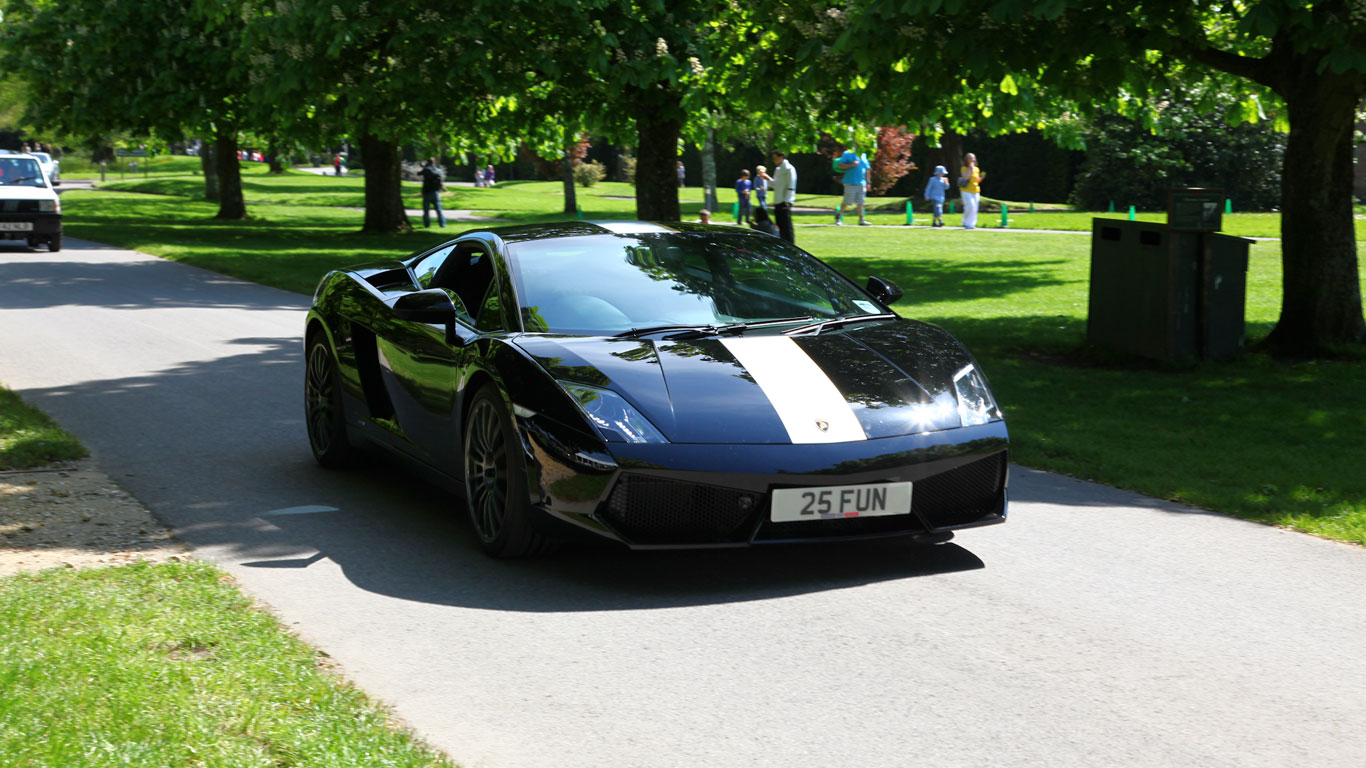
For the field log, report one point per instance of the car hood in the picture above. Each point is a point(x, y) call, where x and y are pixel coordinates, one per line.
point(20, 192)
point(866, 382)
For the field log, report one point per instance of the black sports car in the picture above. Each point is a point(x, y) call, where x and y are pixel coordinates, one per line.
point(673, 385)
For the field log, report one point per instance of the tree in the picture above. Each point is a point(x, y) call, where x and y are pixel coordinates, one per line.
point(893, 158)
point(383, 72)
point(141, 66)
point(1056, 56)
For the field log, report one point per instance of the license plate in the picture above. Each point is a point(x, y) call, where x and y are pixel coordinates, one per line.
point(834, 502)
point(16, 226)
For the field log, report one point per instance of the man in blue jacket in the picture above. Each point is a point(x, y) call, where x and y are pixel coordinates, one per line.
point(855, 169)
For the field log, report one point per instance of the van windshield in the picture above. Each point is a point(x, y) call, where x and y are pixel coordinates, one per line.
point(21, 171)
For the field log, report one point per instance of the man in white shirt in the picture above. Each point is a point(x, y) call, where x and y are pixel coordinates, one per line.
point(784, 195)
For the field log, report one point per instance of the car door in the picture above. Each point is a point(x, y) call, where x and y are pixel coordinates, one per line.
point(422, 369)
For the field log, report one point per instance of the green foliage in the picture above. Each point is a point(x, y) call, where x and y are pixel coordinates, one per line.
point(589, 173)
point(1130, 165)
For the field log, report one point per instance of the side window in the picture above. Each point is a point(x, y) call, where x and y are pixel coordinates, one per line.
point(491, 313)
point(468, 273)
point(427, 268)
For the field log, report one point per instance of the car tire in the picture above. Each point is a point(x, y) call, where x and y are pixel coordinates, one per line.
point(54, 243)
point(495, 480)
point(323, 408)
point(32, 241)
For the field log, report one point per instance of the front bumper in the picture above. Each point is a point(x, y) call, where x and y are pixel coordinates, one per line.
point(30, 225)
point(664, 496)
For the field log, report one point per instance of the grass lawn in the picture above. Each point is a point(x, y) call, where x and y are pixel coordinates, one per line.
point(155, 666)
point(1263, 440)
point(29, 438)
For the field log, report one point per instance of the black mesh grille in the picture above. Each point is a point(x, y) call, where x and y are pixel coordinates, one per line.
point(968, 494)
point(19, 206)
point(651, 510)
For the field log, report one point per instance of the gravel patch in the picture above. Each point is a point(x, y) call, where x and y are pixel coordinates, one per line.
point(75, 516)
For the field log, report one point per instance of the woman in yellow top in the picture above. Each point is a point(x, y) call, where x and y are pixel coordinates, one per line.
point(970, 188)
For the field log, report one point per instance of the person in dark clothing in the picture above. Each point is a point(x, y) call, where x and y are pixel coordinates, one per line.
point(432, 186)
point(763, 223)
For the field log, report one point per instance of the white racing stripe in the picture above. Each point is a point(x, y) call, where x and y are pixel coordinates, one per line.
point(804, 397)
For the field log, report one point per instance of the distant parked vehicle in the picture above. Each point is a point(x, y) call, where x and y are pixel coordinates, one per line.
point(29, 207)
point(51, 166)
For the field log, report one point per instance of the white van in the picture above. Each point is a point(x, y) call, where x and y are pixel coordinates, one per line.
point(29, 207)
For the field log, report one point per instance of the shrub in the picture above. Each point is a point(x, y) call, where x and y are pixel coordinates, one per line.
point(892, 160)
point(1128, 164)
point(589, 173)
point(627, 169)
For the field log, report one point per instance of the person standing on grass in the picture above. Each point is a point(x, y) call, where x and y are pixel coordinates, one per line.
point(855, 169)
point(970, 186)
point(742, 189)
point(784, 195)
point(336, 163)
point(935, 190)
point(761, 180)
point(682, 174)
point(432, 186)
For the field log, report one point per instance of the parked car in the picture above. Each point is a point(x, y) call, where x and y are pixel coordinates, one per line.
point(30, 209)
point(677, 385)
point(51, 166)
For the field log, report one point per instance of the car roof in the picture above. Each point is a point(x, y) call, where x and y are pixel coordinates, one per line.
point(525, 232)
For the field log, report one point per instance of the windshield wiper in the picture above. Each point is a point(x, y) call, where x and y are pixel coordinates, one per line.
point(637, 332)
point(734, 329)
point(699, 331)
point(815, 328)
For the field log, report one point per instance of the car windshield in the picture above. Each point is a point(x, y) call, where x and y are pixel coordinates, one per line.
point(21, 171)
point(610, 284)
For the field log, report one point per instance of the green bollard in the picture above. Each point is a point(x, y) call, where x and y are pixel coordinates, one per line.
point(951, 205)
point(1005, 220)
point(735, 211)
point(1131, 214)
point(579, 208)
point(1031, 206)
point(839, 215)
point(910, 217)
point(1228, 205)
point(1112, 206)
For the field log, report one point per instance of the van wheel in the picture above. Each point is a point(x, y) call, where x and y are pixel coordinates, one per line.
point(54, 243)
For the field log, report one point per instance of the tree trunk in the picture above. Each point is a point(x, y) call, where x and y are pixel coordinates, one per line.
point(231, 205)
point(659, 120)
point(384, 210)
point(709, 198)
point(210, 168)
point(1321, 301)
point(277, 167)
point(571, 199)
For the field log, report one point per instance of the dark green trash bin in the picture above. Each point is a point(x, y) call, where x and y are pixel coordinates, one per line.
point(1163, 294)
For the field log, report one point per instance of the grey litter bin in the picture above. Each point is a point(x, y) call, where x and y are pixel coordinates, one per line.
point(1166, 295)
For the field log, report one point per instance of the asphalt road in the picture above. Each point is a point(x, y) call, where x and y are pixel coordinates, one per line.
point(1096, 628)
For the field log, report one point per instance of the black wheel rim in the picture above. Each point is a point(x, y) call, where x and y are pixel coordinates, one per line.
point(318, 396)
point(486, 476)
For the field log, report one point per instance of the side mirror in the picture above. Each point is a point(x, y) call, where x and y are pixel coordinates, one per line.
point(433, 306)
point(437, 307)
point(885, 291)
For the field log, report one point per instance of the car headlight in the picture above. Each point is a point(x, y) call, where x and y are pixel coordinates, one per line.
point(50, 206)
point(975, 403)
point(615, 418)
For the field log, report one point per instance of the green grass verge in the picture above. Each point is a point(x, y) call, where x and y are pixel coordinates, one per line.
point(153, 666)
point(29, 438)
point(1256, 438)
